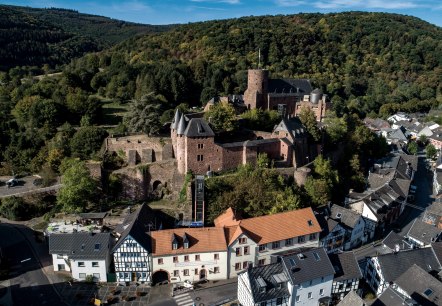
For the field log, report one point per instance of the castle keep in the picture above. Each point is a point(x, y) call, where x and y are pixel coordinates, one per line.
point(288, 96)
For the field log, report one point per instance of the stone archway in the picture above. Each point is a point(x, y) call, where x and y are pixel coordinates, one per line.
point(160, 277)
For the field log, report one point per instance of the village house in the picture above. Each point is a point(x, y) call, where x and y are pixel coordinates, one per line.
point(189, 254)
point(347, 274)
point(433, 214)
point(352, 299)
point(252, 241)
point(82, 254)
point(422, 234)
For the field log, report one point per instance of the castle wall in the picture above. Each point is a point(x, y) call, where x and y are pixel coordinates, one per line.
point(232, 157)
point(180, 154)
point(202, 155)
point(318, 109)
point(287, 99)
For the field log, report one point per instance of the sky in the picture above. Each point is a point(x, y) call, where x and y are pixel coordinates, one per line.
point(184, 11)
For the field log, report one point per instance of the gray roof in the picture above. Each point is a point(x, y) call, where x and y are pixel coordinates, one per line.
point(300, 86)
point(345, 265)
point(293, 127)
point(397, 135)
point(437, 249)
point(348, 217)
point(266, 275)
point(80, 245)
point(402, 163)
point(176, 119)
point(422, 281)
point(136, 225)
point(393, 239)
point(394, 264)
point(424, 232)
point(181, 125)
point(390, 297)
point(198, 127)
point(100, 215)
point(306, 265)
point(352, 299)
point(435, 208)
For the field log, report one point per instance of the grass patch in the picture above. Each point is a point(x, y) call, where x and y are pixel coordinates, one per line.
point(112, 112)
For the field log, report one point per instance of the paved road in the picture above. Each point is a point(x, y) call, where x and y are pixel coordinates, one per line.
point(28, 284)
point(25, 186)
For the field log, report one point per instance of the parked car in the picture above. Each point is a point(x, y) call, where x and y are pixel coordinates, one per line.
point(12, 182)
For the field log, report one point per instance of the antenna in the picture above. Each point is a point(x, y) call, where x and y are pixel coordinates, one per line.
point(259, 58)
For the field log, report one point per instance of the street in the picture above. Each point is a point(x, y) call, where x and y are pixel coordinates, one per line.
point(28, 284)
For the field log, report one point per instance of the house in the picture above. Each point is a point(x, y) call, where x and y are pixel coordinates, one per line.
point(81, 254)
point(399, 117)
point(333, 235)
point(347, 274)
point(252, 241)
point(376, 125)
point(433, 214)
point(390, 297)
point(436, 138)
point(352, 299)
point(191, 254)
point(132, 252)
point(384, 269)
point(395, 243)
point(264, 285)
point(422, 234)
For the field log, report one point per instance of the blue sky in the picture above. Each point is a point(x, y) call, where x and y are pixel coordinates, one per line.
point(183, 11)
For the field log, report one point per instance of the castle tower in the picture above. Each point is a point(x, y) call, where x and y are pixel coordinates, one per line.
point(173, 130)
point(256, 92)
point(181, 145)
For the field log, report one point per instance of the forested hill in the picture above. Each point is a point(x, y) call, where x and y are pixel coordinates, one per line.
point(362, 60)
point(34, 37)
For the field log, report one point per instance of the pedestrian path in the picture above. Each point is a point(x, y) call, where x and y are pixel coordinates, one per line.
point(183, 299)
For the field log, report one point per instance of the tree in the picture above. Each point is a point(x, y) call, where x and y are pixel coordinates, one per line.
point(86, 141)
point(222, 117)
point(431, 151)
point(412, 148)
point(78, 187)
point(144, 114)
point(308, 119)
point(319, 190)
point(336, 128)
point(423, 139)
point(13, 208)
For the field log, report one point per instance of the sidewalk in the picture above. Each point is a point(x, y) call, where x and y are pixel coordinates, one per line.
point(214, 284)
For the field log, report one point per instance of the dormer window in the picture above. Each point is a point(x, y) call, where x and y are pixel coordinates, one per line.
point(185, 241)
point(174, 242)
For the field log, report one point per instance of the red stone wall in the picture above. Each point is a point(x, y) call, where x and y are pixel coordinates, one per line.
point(232, 157)
point(211, 153)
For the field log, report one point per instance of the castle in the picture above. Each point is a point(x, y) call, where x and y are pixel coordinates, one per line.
point(287, 96)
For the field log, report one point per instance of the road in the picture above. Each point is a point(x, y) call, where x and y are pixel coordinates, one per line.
point(24, 187)
point(28, 284)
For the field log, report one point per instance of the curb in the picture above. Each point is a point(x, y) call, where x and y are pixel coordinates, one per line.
point(209, 287)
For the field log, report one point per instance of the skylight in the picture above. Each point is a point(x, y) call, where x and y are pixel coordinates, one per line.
point(310, 223)
point(301, 256)
point(292, 262)
point(316, 255)
point(428, 292)
point(97, 246)
point(338, 215)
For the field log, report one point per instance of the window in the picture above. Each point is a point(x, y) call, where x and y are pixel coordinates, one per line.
point(279, 301)
point(309, 295)
point(176, 273)
point(341, 286)
point(175, 259)
point(216, 256)
point(245, 264)
point(186, 245)
point(238, 251)
point(81, 263)
point(61, 267)
point(59, 256)
point(196, 271)
point(242, 240)
point(263, 247)
point(82, 275)
point(160, 261)
point(263, 304)
point(95, 264)
point(97, 246)
point(261, 262)
point(275, 245)
point(312, 236)
point(199, 157)
point(301, 239)
point(316, 256)
point(237, 266)
point(200, 145)
point(289, 242)
point(298, 298)
point(310, 283)
point(216, 270)
point(197, 258)
point(321, 291)
point(174, 246)
point(186, 272)
point(310, 223)
point(96, 276)
point(246, 250)
point(186, 258)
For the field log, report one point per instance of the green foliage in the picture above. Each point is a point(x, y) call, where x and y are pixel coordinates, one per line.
point(412, 148)
point(430, 151)
point(261, 120)
point(183, 192)
point(423, 139)
point(87, 141)
point(222, 117)
point(13, 208)
point(336, 128)
point(319, 187)
point(78, 187)
point(144, 115)
point(308, 119)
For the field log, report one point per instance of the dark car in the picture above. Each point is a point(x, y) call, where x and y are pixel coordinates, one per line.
point(38, 182)
point(12, 182)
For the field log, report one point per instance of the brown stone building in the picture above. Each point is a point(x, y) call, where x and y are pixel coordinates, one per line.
point(288, 96)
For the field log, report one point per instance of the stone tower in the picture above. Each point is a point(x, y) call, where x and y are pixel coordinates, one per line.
point(181, 145)
point(173, 131)
point(256, 92)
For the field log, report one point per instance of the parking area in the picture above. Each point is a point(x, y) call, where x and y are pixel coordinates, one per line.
point(110, 294)
point(23, 185)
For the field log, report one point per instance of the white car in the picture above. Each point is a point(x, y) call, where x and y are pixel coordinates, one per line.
point(188, 284)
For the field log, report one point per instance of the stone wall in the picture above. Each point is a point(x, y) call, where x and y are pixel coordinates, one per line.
point(202, 155)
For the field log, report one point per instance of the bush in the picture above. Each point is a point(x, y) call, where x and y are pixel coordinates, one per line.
point(13, 208)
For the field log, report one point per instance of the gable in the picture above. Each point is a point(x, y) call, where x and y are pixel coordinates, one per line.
point(123, 244)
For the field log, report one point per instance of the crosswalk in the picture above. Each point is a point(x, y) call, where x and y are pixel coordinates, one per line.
point(183, 299)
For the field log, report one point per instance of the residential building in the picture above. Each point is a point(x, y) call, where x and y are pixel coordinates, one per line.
point(395, 243)
point(191, 254)
point(433, 214)
point(132, 252)
point(82, 254)
point(399, 117)
point(352, 299)
point(347, 274)
point(422, 234)
point(252, 241)
point(436, 138)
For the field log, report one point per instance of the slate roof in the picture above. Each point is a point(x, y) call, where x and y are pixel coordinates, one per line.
point(292, 126)
point(198, 127)
point(345, 265)
point(397, 135)
point(402, 163)
point(394, 264)
point(181, 127)
point(80, 245)
point(272, 291)
point(100, 215)
point(394, 239)
point(435, 208)
point(300, 86)
point(424, 232)
point(437, 249)
point(352, 299)
point(347, 216)
point(176, 120)
point(309, 267)
point(136, 225)
point(421, 281)
point(390, 297)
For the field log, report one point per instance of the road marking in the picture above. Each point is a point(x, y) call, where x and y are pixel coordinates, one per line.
point(26, 259)
point(183, 299)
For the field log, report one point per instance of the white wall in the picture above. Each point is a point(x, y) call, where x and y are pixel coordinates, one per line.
point(60, 261)
point(207, 262)
point(357, 234)
point(303, 290)
point(245, 296)
point(233, 259)
point(88, 269)
point(126, 266)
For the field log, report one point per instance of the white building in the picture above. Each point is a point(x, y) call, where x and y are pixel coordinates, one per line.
point(191, 254)
point(82, 254)
point(252, 241)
